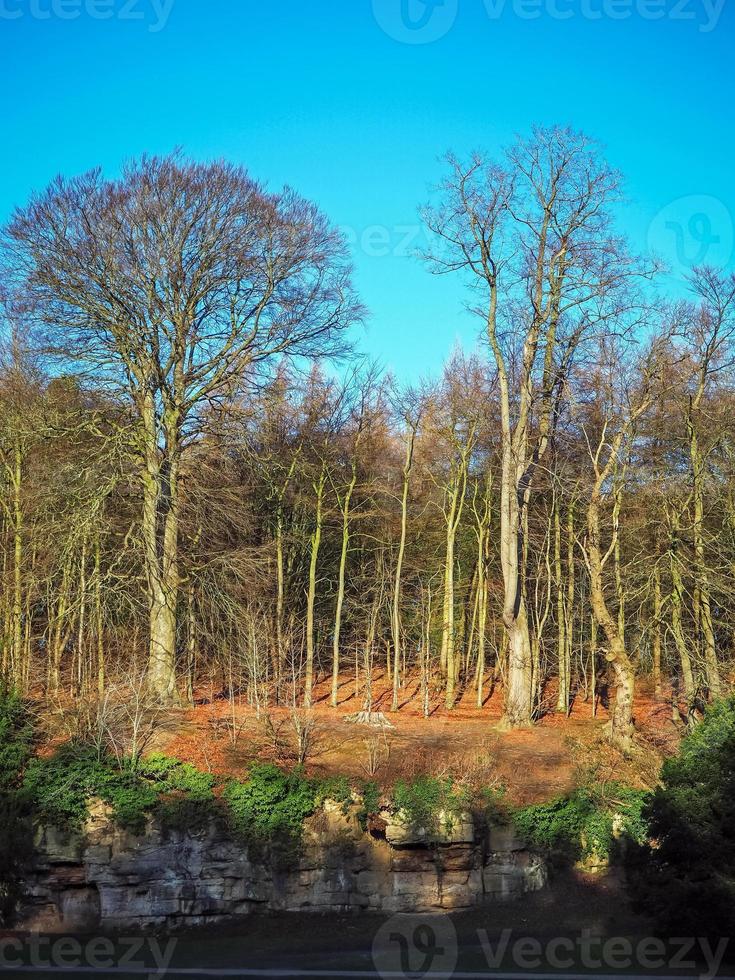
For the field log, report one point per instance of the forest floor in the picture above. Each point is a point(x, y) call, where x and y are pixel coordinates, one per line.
point(225, 735)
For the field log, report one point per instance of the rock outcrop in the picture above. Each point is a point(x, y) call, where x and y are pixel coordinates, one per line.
point(108, 877)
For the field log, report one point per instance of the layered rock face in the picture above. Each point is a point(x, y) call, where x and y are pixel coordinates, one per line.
point(107, 877)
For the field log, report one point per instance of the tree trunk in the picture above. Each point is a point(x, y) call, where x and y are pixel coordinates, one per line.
point(677, 628)
point(316, 539)
point(396, 612)
point(621, 715)
point(656, 645)
point(341, 584)
point(562, 700)
point(161, 540)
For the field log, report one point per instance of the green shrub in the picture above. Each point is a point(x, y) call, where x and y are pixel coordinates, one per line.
point(271, 806)
point(16, 738)
point(423, 800)
point(169, 775)
point(335, 788)
point(62, 785)
point(582, 825)
point(16, 745)
point(686, 877)
point(493, 805)
point(16, 847)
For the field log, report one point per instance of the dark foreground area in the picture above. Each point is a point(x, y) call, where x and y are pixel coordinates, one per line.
point(581, 926)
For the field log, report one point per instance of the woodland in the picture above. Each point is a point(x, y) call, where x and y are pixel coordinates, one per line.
point(205, 484)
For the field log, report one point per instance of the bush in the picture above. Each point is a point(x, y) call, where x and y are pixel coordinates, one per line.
point(169, 775)
point(16, 738)
point(16, 745)
point(270, 807)
point(62, 785)
point(686, 877)
point(582, 825)
point(425, 798)
point(336, 788)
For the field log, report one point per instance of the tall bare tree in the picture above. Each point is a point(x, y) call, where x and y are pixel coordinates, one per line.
point(172, 286)
point(532, 232)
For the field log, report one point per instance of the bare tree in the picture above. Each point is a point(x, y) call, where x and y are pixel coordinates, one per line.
point(533, 234)
point(171, 286)
point(622, 397)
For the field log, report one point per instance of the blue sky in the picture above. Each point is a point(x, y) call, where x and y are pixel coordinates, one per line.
point(353, 101)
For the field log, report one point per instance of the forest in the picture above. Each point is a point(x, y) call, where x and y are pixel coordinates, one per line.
point(207, 489)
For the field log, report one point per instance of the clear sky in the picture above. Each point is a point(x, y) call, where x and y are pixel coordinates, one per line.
point(353, 101)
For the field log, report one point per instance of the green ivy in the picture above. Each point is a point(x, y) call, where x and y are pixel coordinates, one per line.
point(582, 825)
point(424, 798)
point(337, 788)
point(271, 806)
point(16, 738)
point(685, 879)
point(62, 785)
point(16, 746)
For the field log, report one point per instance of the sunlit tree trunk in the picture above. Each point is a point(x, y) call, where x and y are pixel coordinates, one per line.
point(161, 543)
point(345, 508)
point(701, 575)
point(677, 604)
point(396, 610)
point(656, 644)
point(316, 539)
point(621, 714)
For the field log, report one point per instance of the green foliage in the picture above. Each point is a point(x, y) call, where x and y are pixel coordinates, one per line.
point(169, 775)
point(16, 845)
point(370, 793)
point(16, 744)
point(493, 805)
point(370, 797)
point(686, 877)
point(425, 798)
point(62, 785)
point(16, 738)
point(583, 824)
point(271, 806)
point(335, 788)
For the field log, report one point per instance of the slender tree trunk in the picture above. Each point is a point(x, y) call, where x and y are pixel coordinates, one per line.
point(562, 701)
point(569, 608)
point(702, 604)
point(448, 629)
point(316, 539)
point(345, 507)
point(481, 633)
point(280, 575)
point(621, 714)
point(396, 612)
point(99, 619)
point(17, 613)
point(677, 628)
point(656, 645)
